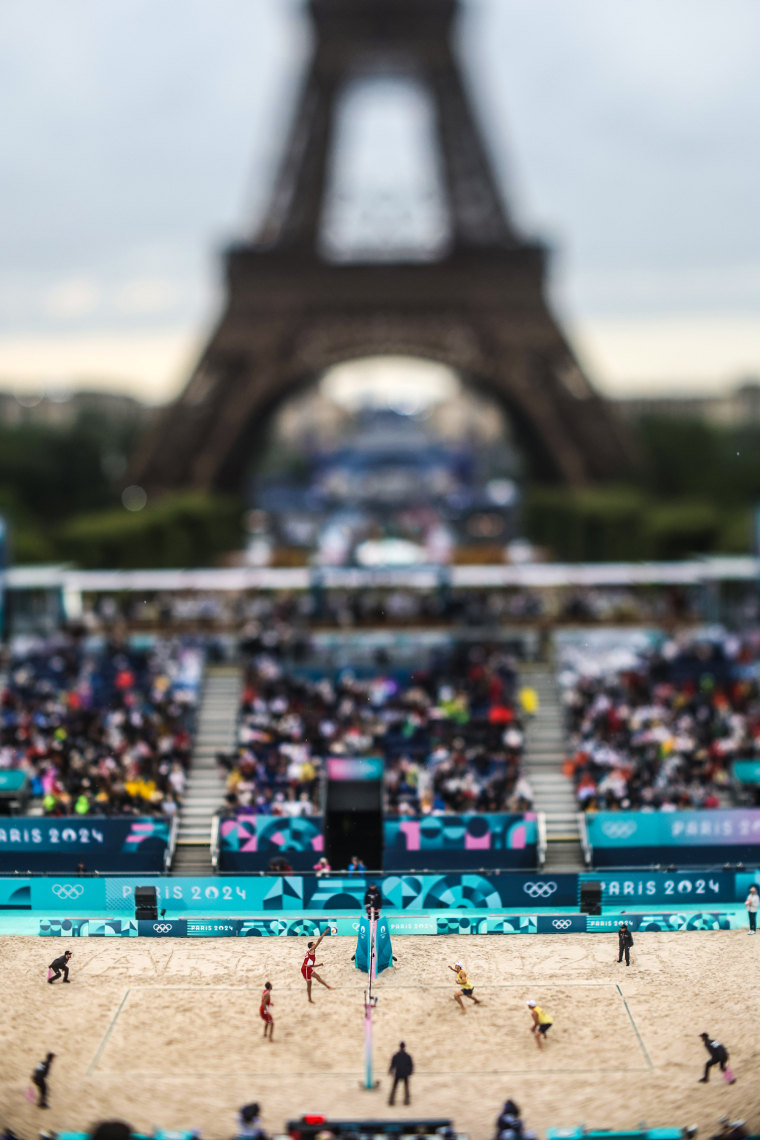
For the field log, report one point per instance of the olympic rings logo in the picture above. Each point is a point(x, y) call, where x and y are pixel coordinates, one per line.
point(540, 890)
point(68, 890)
point(623, 830)
point(162, 927)
point(562, 923)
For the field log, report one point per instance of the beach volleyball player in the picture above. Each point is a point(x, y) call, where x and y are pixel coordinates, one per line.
point(265, 1010)
point(308, 967)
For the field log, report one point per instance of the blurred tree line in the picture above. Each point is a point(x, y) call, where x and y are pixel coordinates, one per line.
point(60, 488)
point(696, 494)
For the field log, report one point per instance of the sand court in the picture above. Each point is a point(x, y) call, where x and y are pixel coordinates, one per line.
point(167, 1033)
point(153, 1024)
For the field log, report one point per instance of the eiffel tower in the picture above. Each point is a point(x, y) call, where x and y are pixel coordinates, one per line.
point(472, 300)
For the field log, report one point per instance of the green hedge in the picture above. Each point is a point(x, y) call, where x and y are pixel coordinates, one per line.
point(181, 531)
point(627, 524)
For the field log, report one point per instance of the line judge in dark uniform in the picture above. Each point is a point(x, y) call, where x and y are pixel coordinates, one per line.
point(60, 966)
point(39, 1079)
point(401, 1069)
point(625, 942)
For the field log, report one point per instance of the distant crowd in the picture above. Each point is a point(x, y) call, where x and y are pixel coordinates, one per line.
point(291, 614)
point(451, 735)
point(660, 731)
point(100, 728)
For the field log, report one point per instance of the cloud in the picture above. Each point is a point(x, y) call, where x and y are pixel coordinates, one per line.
point(147, 297)
point(688, 353)
point(152, 366)
point(73, 297)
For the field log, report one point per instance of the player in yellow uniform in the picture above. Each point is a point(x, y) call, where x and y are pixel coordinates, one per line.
point(465, 986)
point(542, 1023)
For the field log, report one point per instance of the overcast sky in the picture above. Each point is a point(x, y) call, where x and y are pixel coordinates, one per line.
point(139, 137)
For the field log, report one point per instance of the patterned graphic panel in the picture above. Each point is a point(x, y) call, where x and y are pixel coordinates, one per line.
point(454, 922)
point(684, 921)
point(88, 927)
point(250, 844)
point(495, 839)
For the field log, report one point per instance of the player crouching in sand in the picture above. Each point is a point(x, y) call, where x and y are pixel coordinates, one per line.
point(542, 1023)
point(465, 986)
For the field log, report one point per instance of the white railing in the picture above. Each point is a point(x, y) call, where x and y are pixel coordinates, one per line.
point(214, 842)
point(169, 853)
point(586, 847)
point(542, 840)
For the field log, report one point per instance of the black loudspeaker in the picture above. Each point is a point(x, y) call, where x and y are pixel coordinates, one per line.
point(146, 902)
point(591, 898)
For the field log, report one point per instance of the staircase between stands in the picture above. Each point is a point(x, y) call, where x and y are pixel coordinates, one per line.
point(205, 787)
point(554, 793)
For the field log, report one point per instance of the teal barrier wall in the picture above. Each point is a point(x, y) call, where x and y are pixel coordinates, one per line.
point(454, 923)
point(227, 896)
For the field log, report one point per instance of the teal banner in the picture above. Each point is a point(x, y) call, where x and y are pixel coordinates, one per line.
point(101, 843)
point(746, 771)
point(12, 780)
point(627, 838)
point(649, 888)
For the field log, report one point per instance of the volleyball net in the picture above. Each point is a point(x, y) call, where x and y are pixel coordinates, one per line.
point(374, 954)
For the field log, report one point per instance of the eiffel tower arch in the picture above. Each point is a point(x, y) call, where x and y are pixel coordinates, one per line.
point(473, 298)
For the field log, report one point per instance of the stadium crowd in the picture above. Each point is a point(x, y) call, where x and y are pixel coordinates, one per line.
point(102, 729)
point(288, 616)
point(661, 730)
point(451, 735)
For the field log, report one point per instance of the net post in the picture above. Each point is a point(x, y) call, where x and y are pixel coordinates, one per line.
point(369, 1004)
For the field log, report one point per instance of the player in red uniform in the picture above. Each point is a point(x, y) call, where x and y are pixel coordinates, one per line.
point(265, 1010)
point(308, 967)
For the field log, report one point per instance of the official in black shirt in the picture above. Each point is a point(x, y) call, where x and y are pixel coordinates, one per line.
point(625, 942)
point(373, 900)
point(401, 1067)
point(39, 1078)
point(718, 1056)
point(61, 966)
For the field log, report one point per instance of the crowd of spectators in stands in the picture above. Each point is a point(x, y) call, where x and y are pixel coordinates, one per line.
point(335, 608)
point(451, 735)
point(100, 729)
point(290, 615)
point(660, 730)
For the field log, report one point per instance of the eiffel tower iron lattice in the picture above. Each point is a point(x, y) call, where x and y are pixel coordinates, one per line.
point(291, 312)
